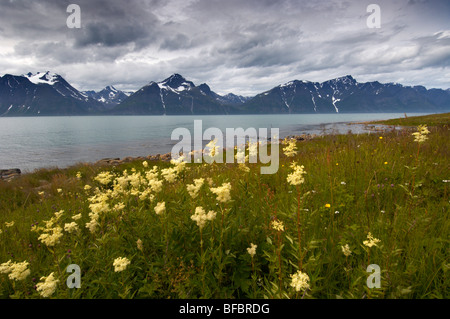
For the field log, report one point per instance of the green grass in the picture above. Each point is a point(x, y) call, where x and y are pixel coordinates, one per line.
point(391, 187)
point(430, 120)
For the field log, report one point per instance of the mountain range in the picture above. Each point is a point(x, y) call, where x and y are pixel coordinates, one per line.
point(49, 94)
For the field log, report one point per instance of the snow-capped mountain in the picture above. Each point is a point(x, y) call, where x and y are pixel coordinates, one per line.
point(346, 95)
point(110, 96)
point(42, 93)
point(175, 95)
point(46, 93)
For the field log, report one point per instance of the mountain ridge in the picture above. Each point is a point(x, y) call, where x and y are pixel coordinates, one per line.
point(47, 93)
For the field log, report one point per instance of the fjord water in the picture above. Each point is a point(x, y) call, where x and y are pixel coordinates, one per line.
point(29, 143)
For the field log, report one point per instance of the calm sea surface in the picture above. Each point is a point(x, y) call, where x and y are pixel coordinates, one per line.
point(35, 142)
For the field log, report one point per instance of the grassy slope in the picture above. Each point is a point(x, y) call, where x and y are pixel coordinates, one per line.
point(387, 186)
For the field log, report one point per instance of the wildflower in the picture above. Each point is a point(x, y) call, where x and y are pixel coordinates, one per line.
point(41, 193)
point(385, 163)
point(120, 264)
point(119, 206)
point(104, 178)
point(296, 177)
point(300, 281)
point(87, 187)
point(160, 208)
point(51, 236)
point(78, 175)
point(277, 225)
point(140, 245)
point(336, 212)
point(145, 164)
point(193, 189)
point(71, 227)
point(76, 217)
point(213, 149)
point(93, 223)
point(222, 192)
point(346, 250)
point(201, 217)
point(48, 287)
point(15, 271)
point(244, 168)
point(241, 157)
point(169, 174)
point(59, 214)
point(59, 190)
point(327, 205)
point(155, 185)
point(291, 149)
point(10, 224)
point(5, 268)
point(252, 250)
point(371, 241)
point(421, 135)
point(381, 137)
point(343, 183)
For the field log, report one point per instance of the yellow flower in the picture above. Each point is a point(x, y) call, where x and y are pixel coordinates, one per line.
point(48, 287)
point(78, 175)
point(300, 281)
point(381, 137)
point(87, 187)
point(120, 264)
point(327, 205)
point(277, 225)
point(385, 163)
point(10, 224)
point(104, 178)
point(160, 208)
point(145, 164)
point(76, 217)
point(59, 190)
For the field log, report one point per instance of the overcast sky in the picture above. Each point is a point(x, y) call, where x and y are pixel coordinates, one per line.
point(240, 46)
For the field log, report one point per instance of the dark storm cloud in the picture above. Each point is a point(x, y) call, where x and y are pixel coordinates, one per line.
point(246, 46)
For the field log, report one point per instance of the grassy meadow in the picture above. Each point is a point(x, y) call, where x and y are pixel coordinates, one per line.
point(172, 230)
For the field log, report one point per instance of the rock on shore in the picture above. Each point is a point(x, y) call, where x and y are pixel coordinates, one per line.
point(9, 174)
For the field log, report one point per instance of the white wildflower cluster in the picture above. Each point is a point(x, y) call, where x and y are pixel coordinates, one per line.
point(291, 149)
point(193, 189)
point(300, 281)
point(371, 241)
point(160, 208)
point(296, 177)
point(15, 271)
point(222, 192)
point(346, 250)
point(52, 233)
point(421, 135)
point(120, 264)
point(252, 250)
point(201, 217)
point(48, 287)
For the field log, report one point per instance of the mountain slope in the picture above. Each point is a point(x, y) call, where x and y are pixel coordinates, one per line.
point(42, 94)
point(346, 95)
point(174, 95)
